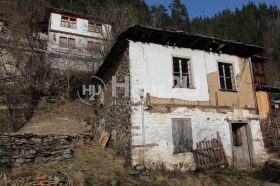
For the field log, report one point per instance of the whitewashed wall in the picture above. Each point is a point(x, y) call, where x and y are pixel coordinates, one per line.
point(205, 125)
point(82, 27)
point(151, 66)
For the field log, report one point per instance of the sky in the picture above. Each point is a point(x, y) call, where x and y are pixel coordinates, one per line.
point(210, 7)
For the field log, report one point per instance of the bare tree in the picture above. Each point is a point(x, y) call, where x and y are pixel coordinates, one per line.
point(120, 17)
point(24, 68)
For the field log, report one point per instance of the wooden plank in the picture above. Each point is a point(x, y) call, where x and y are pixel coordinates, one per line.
point(182, 135)
point(187, 134)
point(104, 138)
point(250, 143)
point(176, 133)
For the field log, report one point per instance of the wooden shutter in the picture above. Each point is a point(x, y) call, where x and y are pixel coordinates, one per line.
point(182, 135)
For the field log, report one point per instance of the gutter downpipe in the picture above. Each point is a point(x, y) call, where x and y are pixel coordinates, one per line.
point(253, 83)
point(143, 127)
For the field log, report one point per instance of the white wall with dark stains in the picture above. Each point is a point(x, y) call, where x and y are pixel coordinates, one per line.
point(205, 125)
point(151, 66)
point(151, 69)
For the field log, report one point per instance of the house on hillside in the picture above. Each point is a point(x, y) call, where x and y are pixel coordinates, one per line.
point(75, 40)
point(170, 90)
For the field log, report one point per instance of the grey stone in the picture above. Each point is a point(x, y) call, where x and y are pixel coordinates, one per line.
point(140, 168)
point(56, 179)
point(134, 172)
point(67, 156)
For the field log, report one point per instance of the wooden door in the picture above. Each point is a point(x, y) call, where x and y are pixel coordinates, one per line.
point(241, 153)
point(182, 135)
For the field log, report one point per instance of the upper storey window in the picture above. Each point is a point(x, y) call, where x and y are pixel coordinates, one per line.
point(94, 27)
point(69, 22)
point(226, 76)
point(182, 73)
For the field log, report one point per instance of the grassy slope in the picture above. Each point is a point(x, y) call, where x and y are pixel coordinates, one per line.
point(97, 166)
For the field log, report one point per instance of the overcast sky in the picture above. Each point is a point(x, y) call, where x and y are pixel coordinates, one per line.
point(210, 7)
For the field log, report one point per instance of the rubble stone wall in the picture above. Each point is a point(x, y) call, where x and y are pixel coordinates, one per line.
point(16, 149)
point(114, 113)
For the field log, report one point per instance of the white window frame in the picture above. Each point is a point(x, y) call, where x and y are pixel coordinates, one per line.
point(192, 86)
point(234, 88)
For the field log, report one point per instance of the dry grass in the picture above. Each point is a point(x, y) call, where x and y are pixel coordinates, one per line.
point(59, 118)
point(94, 165)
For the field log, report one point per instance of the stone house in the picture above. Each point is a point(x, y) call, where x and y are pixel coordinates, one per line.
point(75, 40)
point(167, 90)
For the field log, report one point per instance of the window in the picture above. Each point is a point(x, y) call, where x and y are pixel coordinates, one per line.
point(71, 42)
point(69, 22)
point(90, 45)
point(93, 45)
point(66, 42)
point(94, 27)
point(182, 135)
point(63, 41)
point(226, 76)
point(182, 73)
point(237, 129)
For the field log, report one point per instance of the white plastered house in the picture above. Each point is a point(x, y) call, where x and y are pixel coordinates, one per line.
point(195, 84)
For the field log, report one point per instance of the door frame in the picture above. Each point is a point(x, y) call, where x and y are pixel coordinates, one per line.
point(249, 139)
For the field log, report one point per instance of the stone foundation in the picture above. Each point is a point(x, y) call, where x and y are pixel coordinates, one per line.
point(16, 149)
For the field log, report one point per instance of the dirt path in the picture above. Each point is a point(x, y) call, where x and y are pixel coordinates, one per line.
point(59, 118)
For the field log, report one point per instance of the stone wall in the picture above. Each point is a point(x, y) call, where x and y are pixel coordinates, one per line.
point(16, 149)
point(113, 115)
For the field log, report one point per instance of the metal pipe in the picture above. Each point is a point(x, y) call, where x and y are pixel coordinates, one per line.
point(143, 133)
point(141, 93)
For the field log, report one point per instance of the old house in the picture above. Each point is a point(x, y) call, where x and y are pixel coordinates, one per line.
point(75, 40)
point(175, 89)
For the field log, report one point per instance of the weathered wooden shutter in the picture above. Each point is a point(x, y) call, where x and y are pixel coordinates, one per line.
point(182, 135)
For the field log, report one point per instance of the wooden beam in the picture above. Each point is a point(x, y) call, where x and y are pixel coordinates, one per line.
point(207, 45)
point(194, 42)
point(163, 39)
point(220, 47)
point(232, 48)
point(179, 41)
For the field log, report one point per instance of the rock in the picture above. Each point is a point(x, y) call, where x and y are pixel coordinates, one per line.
point(39, 160)
point(134, 172)
point(140, 168)
point(114, 183)
point(67, 156)
point(56, 179)
point(20, 160)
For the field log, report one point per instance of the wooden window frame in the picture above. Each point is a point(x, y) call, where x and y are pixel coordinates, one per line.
point(68, 22)
point(224, 76)
point(182, 138)
point(63, 44)
point(94, 26)
point(67, 45)
point(94, 45)
point(186, 80)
